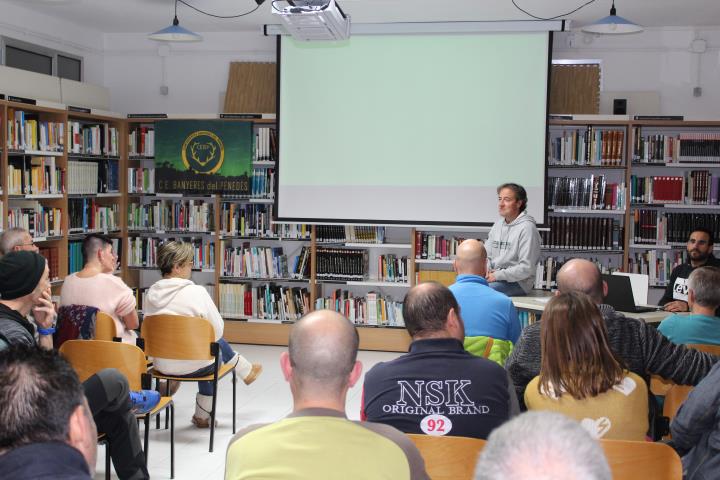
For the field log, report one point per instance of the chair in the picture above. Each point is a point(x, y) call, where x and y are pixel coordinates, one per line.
point(448, 457)
point(104, 327)
point(707, 348)
point(102, 440)
point(632, 460)
point(90, 356)
point(659, 386)
point(187, 338)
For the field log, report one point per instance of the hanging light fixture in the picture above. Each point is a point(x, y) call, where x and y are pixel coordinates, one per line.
point(175, 33)
point(612, 25)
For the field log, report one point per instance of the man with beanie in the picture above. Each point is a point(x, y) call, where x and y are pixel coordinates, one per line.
point(24, 287)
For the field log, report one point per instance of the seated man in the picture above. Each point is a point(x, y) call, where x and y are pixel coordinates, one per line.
point(317, 440)
point(542, 445)
point(16, 239)
point(437, 388)
point(703, 326)
point(46, 426)
point(485, 312)
point(96, 286)
point(24, 287)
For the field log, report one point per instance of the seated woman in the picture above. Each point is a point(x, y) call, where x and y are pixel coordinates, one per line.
point(176, 294)
point(581, 377)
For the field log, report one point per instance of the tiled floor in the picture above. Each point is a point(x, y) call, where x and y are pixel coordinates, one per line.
point(266, 400)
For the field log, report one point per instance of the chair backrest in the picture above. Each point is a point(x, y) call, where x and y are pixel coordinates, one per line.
point(177, 337)
point(448, 457)
point(675, 397)
point(90, 356)
point(713, 349)
point(632, 460)
point(104, 327)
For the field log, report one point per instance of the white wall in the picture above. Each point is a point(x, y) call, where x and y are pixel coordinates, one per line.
point(196, 74)
point(655, 60)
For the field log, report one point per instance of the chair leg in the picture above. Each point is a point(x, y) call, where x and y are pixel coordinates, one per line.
point(107, 461)
point(147, 437)
point(167, 394)
point(234, 380)
point(172, 440)
point(212, 414)
point(157, 417)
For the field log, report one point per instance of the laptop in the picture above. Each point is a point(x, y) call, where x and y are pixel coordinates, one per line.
point(620, 295)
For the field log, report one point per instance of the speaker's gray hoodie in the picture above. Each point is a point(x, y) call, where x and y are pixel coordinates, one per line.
point(514, 249)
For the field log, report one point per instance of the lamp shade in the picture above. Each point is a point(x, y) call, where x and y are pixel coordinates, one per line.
point(175, 33)
point(612, 24)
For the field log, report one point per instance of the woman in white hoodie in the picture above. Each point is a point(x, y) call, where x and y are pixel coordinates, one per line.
point(176, 294)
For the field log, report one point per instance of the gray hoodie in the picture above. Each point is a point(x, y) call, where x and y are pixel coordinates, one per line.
point(514, 249)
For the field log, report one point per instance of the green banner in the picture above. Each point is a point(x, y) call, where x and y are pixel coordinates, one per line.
point(203, 156)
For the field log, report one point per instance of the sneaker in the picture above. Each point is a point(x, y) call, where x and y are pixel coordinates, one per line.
point(255, 372)
point(144, 401)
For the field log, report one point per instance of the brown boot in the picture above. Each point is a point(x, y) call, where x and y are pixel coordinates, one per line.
point(203, 406)
point(255, 372)
point(168, 388)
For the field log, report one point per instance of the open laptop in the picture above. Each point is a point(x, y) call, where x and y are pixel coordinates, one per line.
point(620, 295)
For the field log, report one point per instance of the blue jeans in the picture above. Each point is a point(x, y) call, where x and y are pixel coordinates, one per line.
point(511, 289)
point(226, 354)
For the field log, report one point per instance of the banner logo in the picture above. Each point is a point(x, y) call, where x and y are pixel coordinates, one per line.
point(203, 152)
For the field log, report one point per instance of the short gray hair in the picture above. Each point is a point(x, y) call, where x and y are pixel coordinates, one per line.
point(705, 283)
point(542, 445)
point(11, 238)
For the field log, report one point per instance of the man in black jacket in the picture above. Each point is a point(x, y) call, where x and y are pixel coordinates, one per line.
point(699, 248)
point(643, 349)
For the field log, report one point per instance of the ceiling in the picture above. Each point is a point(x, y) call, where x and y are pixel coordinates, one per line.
point(118, 16)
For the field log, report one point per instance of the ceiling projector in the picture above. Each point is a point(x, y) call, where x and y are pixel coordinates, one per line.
point(313, 19)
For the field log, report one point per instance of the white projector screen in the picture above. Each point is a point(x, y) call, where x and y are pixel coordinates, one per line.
point(411, 129)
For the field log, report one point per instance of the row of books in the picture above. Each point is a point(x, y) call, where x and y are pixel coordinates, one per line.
point(248, 261)
point(349, 234)
point(266, 143)
point(696, 187)
point(527, 317)
point(75, 256)
point(583, 233)
point(341, 264)
point(547, 269)
point(429, 246)
point(141, 180)
point(88, 139)
point(41, 221)
point(53, 261)
point(25, 131)
point(369, 309)
point(86, 214)
point(591, 146)
point(94, 176)
point(656, 264)
point(262, 183)
point(255, 220)
point(141, 142)
point(142, 252)
point(670, 228)
point(593, 192)
point(139, 294)
point(172, 215)
point(263, 302)
point(392, 268)
point(35, 176)
point(692, 147)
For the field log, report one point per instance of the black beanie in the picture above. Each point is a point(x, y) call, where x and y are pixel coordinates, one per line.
point(20, 273)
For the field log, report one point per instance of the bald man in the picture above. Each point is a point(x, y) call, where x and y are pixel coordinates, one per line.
point(643, 349)
point(317, 440)
point(485, 312)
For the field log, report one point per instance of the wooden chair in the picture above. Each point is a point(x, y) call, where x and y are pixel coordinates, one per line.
point(448, 457)
point(632, 460)
point(90, 356)
point(102, 440)
point(187, 338)
point(703, 347)
point(104, 327)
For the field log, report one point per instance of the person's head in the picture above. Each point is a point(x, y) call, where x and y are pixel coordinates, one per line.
point(175, 259)
point(321, 361)
point(575, 355)
point(700, 245)
point(24, 276)
point(542, 445)
point(98, 250)
point(471, 258)
point(580, 275)
point(43, 401)
point(704, 287)
point(16, 239)
point(430, 310)
point(512, 200)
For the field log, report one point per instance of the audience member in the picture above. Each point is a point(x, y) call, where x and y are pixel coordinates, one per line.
point(317, 440)
point(514, 243)
point(542, 446)
point(699, 249)
point(16, 239)
point(437, 388)
point(643, 350)
point(485, 312)
point(46, 428)
point(581, 377)
point(96, 286)
point(703, 326)
point(176, 294)
point(24, 288)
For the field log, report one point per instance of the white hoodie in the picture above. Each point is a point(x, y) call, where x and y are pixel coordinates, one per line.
point(177, 296)
point(514, 249)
